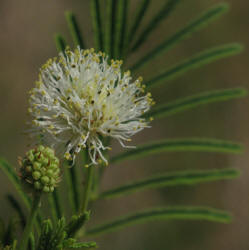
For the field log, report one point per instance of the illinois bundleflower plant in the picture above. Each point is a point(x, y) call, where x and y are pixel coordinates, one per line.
point(81, 98)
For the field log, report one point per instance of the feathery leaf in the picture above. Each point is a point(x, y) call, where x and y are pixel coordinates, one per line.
point(77, 222)
point(83, 245)
point(11, 174)
point(140, 13)
point(110, 27)
point(17, 207)
point(60, 43)
point(45, 236)
point(74, 29)
point(120, 31)
point(184, 104)
point(168, 213)
point(179, 145)
point(195, 25)
point(97, 24)
point(196, 61)
point(164, 12)
point(190, 177)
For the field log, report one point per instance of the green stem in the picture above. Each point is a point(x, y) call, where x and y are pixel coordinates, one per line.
point(88, 188)
point(31, 218)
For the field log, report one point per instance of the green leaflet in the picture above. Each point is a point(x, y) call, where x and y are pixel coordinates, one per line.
point(110, 26)
point(60, 42)
point(76, 223)
point(190, 177)
point(9, 171)
point(31, 241)
point(164, 12)
point(168, 213)
point(58, 235)
point(196, 61)
point(190, 102)
point(195, 25)
point(10, 232)
point(140, 13)
point(83, 245)
point(179, 145)
point(11, 174)
point(121, 24)
point(45, 236)
point(17, 207)
point(97, 24)
point(14, 245)
point(74, 29)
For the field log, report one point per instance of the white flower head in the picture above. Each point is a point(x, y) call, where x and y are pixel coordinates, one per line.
point(81, 98)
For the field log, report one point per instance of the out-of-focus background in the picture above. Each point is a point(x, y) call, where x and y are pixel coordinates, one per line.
point(26, 42)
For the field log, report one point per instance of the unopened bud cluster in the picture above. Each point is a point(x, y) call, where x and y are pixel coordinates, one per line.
point(40, 169)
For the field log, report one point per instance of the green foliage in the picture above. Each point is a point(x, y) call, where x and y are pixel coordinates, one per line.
point(82, 245)
point(74, 29)
point(45, 235)
point(58, 237)
point(194, 62)
point(163, 13)
point(97, 24)
point(9, 171)
point(110, 27)
point(139, 15)
point(179, 145)
point(184, 104)
point(190, 177)
point(7, 233)
point(120, 27)
point(14, 203)
point(60, 42)
point(31, 242)
point(116, 36)
point(168, 213)
point(76, 223)
point(55, 203)
point(195, 25)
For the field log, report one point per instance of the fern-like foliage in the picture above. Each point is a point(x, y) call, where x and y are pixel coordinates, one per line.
point(59, 236)
point(119, 38)
point(117, 34)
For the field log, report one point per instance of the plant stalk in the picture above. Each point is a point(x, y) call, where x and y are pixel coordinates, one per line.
point(88, 188)
point(31, 219)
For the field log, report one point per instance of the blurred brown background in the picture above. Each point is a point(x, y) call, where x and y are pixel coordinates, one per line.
point(26, 42)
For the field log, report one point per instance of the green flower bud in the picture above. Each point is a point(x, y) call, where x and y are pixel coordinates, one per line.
point(46, 189)
point(36, 175)
point(37, 165)
point(37, 185)
point(45, 180)
point(40, 169)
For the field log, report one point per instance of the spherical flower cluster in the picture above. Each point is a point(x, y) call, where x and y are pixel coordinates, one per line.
point(40, 169)
point(80, 98)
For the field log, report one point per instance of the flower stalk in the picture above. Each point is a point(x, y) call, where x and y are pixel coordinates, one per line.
point(88, 188)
